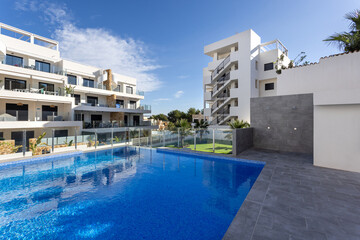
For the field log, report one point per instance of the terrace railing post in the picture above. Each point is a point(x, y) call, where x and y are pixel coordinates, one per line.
point(195, 140)
point(17, 115)
point(139, 137)
point(112, 137)
point(128, 136)
point(52, 140)
point(178, 145)
point(150, 138)
point(53, 118)
point(213, 140)
point(75, 138)
point(24, 142)
point(95, 139)
point(164, 138)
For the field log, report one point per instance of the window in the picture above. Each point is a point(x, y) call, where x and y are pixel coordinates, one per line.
point(61, 133)
point(71, 79)
point(2, 136)
point(92, 100)
point(118, 88)
point(119, 103)
point(129, 90)
point(88, 83)
point(256, 65)
point(48, 112)
point(77, 98)
point(14, 61)
point(132, 104)
point(268, 66)
point(269, 86)
point(42, 66)
point(46, 87)
point(20, 110)
point(11, 84)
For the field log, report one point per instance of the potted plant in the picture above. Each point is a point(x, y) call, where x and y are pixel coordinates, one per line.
point(69, 90)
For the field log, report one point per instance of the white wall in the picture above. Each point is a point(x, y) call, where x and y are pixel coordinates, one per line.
point(337, 137)
point(335, 83)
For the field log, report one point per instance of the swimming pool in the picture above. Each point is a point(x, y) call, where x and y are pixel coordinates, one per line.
point(123, 193)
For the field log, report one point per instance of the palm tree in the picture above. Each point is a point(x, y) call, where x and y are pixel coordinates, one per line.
point(184, 130)
point(348, 41)
point(238, 124)
point(202, 126)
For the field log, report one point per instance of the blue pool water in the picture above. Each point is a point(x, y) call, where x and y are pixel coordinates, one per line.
point(124, 193)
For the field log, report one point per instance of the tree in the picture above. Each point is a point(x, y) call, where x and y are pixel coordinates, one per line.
point(348, 41)
point(161, 117)
point(238, 124)
point(202, 126)
point(176, 115)
point(184, 130)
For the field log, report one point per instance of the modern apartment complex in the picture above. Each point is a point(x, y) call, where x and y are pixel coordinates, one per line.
point(242, 68)
point(35, 93)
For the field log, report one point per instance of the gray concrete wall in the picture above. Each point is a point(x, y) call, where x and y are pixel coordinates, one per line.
point(283, 123)
point(242, 140)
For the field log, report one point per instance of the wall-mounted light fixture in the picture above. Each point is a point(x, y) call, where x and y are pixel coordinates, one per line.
point(20, 104)
point(295, 129)
point(268, 128)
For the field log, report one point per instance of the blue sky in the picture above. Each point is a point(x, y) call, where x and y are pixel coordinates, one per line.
point(161, 42)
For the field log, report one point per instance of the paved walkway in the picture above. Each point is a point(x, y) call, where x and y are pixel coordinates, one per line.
point(292, 199)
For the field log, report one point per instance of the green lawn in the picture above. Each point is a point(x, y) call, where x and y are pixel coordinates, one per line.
point(208, 147)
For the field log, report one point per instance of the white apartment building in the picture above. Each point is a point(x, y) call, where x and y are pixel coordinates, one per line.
point(242, 67)
point(33, 77)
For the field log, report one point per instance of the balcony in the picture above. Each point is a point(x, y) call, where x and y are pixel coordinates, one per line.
point(53, 69)
point(126, 108)
point(33, 94)
point(114, 124)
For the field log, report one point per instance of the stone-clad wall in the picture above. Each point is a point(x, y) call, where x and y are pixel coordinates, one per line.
point(283, 123)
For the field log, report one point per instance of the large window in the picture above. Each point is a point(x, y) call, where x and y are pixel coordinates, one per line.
point(48, 112)
point(269, 86)
point(11, 84)
point(88, 82)
point(71, 79)
point(42, 66)
point(119, 103)
point(14, 61)
point(20, 110)
point(77, 98)
point(132, 104)
point(92, 100)
point(46, 87)
point(268, 66)
point(61, 133)
point(129, 90)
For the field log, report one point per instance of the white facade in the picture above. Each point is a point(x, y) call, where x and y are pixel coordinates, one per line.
point(33, 77)
point(242, 67)
point(335, 84)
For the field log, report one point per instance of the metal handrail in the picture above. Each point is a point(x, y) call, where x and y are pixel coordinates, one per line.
point(220, 67)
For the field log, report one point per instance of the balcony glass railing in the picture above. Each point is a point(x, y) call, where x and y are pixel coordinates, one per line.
point(124, 106)
point(53, 69)
point(141, 93)
point(114, 124)
point(24, 116)
point(60, 92)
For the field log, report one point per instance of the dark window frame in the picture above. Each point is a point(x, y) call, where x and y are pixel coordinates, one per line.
point(131, 90)
point(48, 86)
point(77, 98)
point(94, 98)
point(39, 65)
point(268, 66)
point(269, 86)
point(23, 111)
point(9, 84)
point(12, 57)
point(89, 81)
point(71, 76)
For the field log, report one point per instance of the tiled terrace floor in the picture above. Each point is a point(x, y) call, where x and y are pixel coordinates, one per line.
point(292, 199)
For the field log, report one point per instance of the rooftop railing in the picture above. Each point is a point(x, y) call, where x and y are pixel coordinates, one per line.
point(275, 44)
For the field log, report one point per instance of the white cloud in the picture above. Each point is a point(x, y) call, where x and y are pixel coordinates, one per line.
point(178, 94)
point(161, 99)
point(97, 46)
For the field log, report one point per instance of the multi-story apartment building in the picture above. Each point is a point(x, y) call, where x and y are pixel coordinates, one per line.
point(35, 94)
point(242, 68)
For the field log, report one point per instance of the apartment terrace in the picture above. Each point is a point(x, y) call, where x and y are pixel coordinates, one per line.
point(126, 108)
